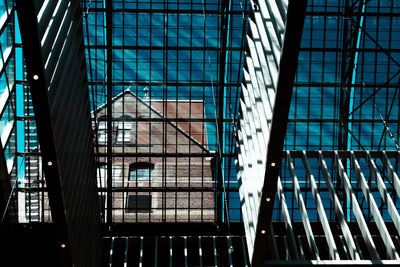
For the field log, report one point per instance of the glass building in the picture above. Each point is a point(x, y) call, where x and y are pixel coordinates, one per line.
point(200, 133)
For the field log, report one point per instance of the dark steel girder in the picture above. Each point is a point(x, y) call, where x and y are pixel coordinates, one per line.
point(56, 73)
point(35, 66)
point(348, 56)
point(288, 66)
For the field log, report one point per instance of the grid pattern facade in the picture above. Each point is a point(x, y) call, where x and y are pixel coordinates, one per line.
point(345, 98)
point(8, 107)
point(349, 50)
point(346, 88)
point(173, 52)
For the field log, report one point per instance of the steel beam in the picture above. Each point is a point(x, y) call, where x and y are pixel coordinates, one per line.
point(356, 209)
point(34, 63)
point(273, 44)
point(338, 209)
point(387, 199)
point(52, 39)
point(392, 174)
point(387, 240)
point(333, 252)
point(294, 254)
point(109, 28)
point(303, 211)
point(224, 9)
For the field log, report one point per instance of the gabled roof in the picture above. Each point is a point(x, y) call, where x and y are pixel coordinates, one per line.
point(155, 111)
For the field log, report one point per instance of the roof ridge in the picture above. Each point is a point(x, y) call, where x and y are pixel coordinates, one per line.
point(127, 90)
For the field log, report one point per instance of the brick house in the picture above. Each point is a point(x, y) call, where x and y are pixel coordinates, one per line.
point(152, 169)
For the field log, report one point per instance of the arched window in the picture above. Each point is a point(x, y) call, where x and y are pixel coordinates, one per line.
point(140, 172)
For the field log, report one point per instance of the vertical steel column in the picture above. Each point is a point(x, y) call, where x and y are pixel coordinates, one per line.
point(225, 5)
point(343, 108)
point(349, 66)
point(109, 109)
point(351, 42)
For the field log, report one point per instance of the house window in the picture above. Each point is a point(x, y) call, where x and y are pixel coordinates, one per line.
point(140, 175)
point(102, 184)
point(102, 131)
point(138, 203)
point(124, 131)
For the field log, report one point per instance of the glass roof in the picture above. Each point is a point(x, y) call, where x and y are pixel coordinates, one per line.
point(174, 51)
point(188, 52)
point(345, 94)
point(348, 76)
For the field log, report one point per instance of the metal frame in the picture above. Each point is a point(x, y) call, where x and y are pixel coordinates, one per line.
point(273, 44)
point(176, 250)
point(56, 72)
point(38, 86)
point(357, 239)
point(109, 23)
point(350, 14)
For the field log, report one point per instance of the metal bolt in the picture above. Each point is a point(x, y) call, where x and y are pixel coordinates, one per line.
point(35, 77)
point(263, 232)
point(62, 245)
point(50, 163)
point(268, 199)
point(273, 164)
